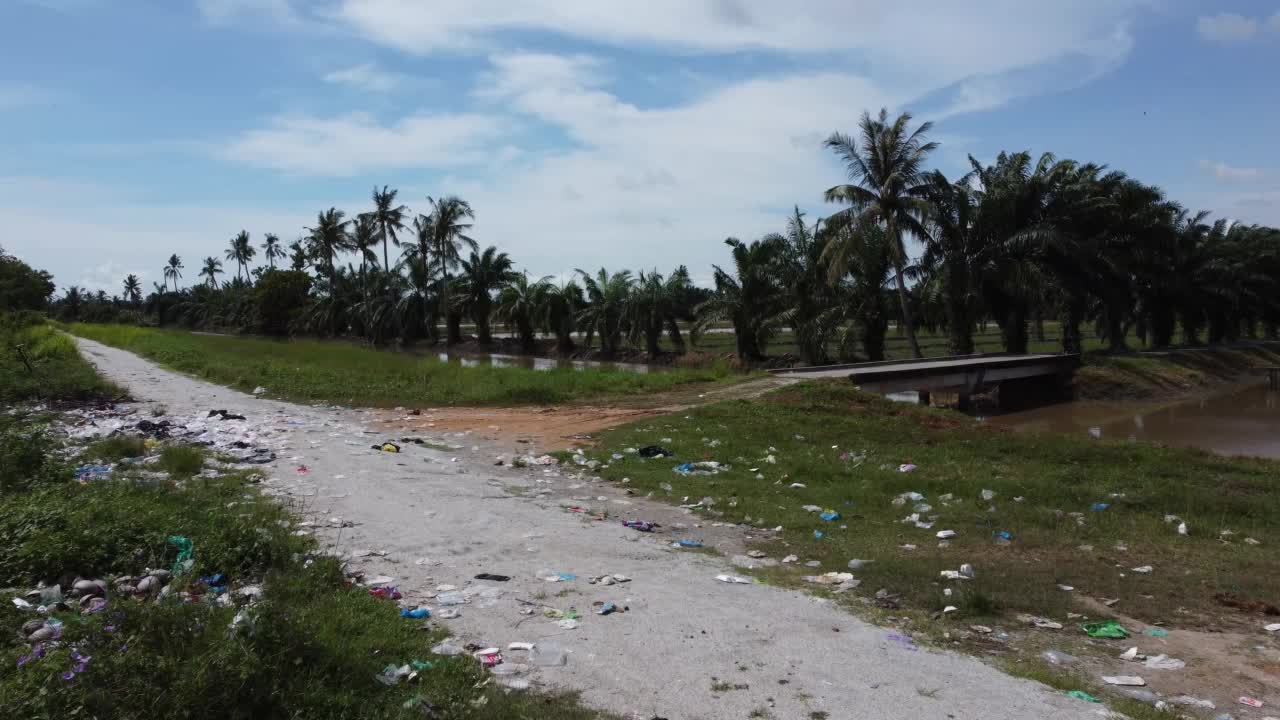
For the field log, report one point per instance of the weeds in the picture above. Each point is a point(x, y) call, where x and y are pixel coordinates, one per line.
point(311, 370)
point(181, 460)
point(115, 449)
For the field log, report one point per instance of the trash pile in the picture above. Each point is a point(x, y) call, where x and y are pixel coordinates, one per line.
point(221, 430)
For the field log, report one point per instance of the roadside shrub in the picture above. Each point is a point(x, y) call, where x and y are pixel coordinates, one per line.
point(279, 299)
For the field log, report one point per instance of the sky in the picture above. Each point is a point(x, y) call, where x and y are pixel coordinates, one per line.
point(587, 133)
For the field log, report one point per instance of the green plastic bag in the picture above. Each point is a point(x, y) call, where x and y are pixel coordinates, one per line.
point(185, 551)
point(1106, 629)
point(1082, 695)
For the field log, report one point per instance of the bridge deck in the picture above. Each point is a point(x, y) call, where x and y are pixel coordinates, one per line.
point(962, 374)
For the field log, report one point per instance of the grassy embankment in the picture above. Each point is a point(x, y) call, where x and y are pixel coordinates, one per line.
point(1038, 481)
point(312, 648)
point(311, 371)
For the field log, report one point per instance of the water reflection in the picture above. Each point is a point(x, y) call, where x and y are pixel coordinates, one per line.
point(539, 363)
point(1240, 421)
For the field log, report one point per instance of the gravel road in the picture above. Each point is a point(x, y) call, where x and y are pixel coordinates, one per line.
point(441, 517)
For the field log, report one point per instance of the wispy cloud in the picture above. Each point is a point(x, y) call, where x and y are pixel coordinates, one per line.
point(1230, 173)
point(354, 143)
point(367, 77)
point(1229, 28)
point(20, 96)
point(219, 12)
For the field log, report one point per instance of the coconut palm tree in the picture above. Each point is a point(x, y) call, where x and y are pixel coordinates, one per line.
point(210, 272)
point(272, 250)
point(607, 298)
point(520, 303)
point(888, 188)
point(327, 239)
point(173, 271)
point(364, 236)
point(133, 289)
point(241, 251)
point(751, 298)
point(449, 226)
point(388, 218)
point(482, 274)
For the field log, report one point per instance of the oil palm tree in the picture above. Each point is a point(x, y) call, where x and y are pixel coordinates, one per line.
point(388, 219)
point(482, 274)
point(888, 188)
point(241, 251)
point(272, 250)
point(861, 307)
point(561, 305)
point(364, 236)
point(133, 289)
point(173, 271)
point(210, 272)
point(652, 309)
point(327, 239)
point(953, 246)
point(449, 226)
point(607, 298)
point(520, 303)
point(751, 298)
point(806, 279)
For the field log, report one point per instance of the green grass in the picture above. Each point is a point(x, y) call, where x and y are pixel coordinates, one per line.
point(314, 371)
point(181, 460)
point(811, 425)
point(56, 372)
point(1142, 377)
point(114, 449)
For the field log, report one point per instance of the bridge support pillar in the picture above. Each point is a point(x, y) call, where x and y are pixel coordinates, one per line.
point(924, 398)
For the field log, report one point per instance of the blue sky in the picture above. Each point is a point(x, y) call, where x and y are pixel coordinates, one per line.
point(587, 132)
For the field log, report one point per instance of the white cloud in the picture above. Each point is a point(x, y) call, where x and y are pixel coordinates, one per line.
point(1228, 173)
point(1227, 27)
point(368, 77)
point(356, 142)
point(958, 39)
point(1273, 23)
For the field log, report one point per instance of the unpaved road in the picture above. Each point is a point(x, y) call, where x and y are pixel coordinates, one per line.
point(443, 517)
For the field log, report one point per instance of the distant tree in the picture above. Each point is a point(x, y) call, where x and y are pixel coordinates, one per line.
point(364, 236)
point(173, 270)
point(272, 250)
point(750, 298)
point(388, 218)
point(560, 307)
point(483, 274)
point(297, 255)
point(327, 240)
point(449, 226)
point(519, 304)
point(889, 188)
point(241, 251)
point(607, 299)
point(279, 299)
point(21, 286)
point(133, 289)
point(210, 272)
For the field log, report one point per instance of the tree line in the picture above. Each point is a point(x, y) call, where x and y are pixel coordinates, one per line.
point(1016, 242)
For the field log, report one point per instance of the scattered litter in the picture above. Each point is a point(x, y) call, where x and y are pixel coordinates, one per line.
point(640, 525)
point(818, 535)
point(987, 494)
point(946, 534)
point(982, 629)
point(568, 624)
point(389, 447)
point(447, 648)
point(1105, 629)
point(1273, 627)
point(652, 451)
point(790, 559)
point(1130, 654)
point(259, 390)
point(548, 655)
point(391, 674)
point(1251, 702)
point(1065, 588)
point(1003, 537)
point(1156, 632)
point(224, 415)
point(89, 473)
point(1127, 680)
point(906, 468)
point(733, 579)
point(448, 614)
point(495, 578)
point(526, 646)
point(1143, 569)
point(687, 543)
point(902, 641)
point(757, 554)
point(1082, 695)
point(1164, 662)
point(416, 613)
point(560, 577)
point(1190, 701)
point(489, 657)
point(1057, 657)
point(1099, 506)
point(830, 515)
point(607, 608)
point(184, 561)
point(834, 578)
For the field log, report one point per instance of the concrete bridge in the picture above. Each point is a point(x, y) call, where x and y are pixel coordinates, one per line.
point(1023, 380)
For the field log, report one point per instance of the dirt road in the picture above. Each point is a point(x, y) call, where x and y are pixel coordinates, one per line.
point(688, 647)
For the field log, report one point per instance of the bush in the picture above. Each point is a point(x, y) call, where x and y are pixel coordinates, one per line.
point(279, 299)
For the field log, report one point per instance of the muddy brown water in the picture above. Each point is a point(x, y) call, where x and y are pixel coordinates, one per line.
point(1240, 420)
